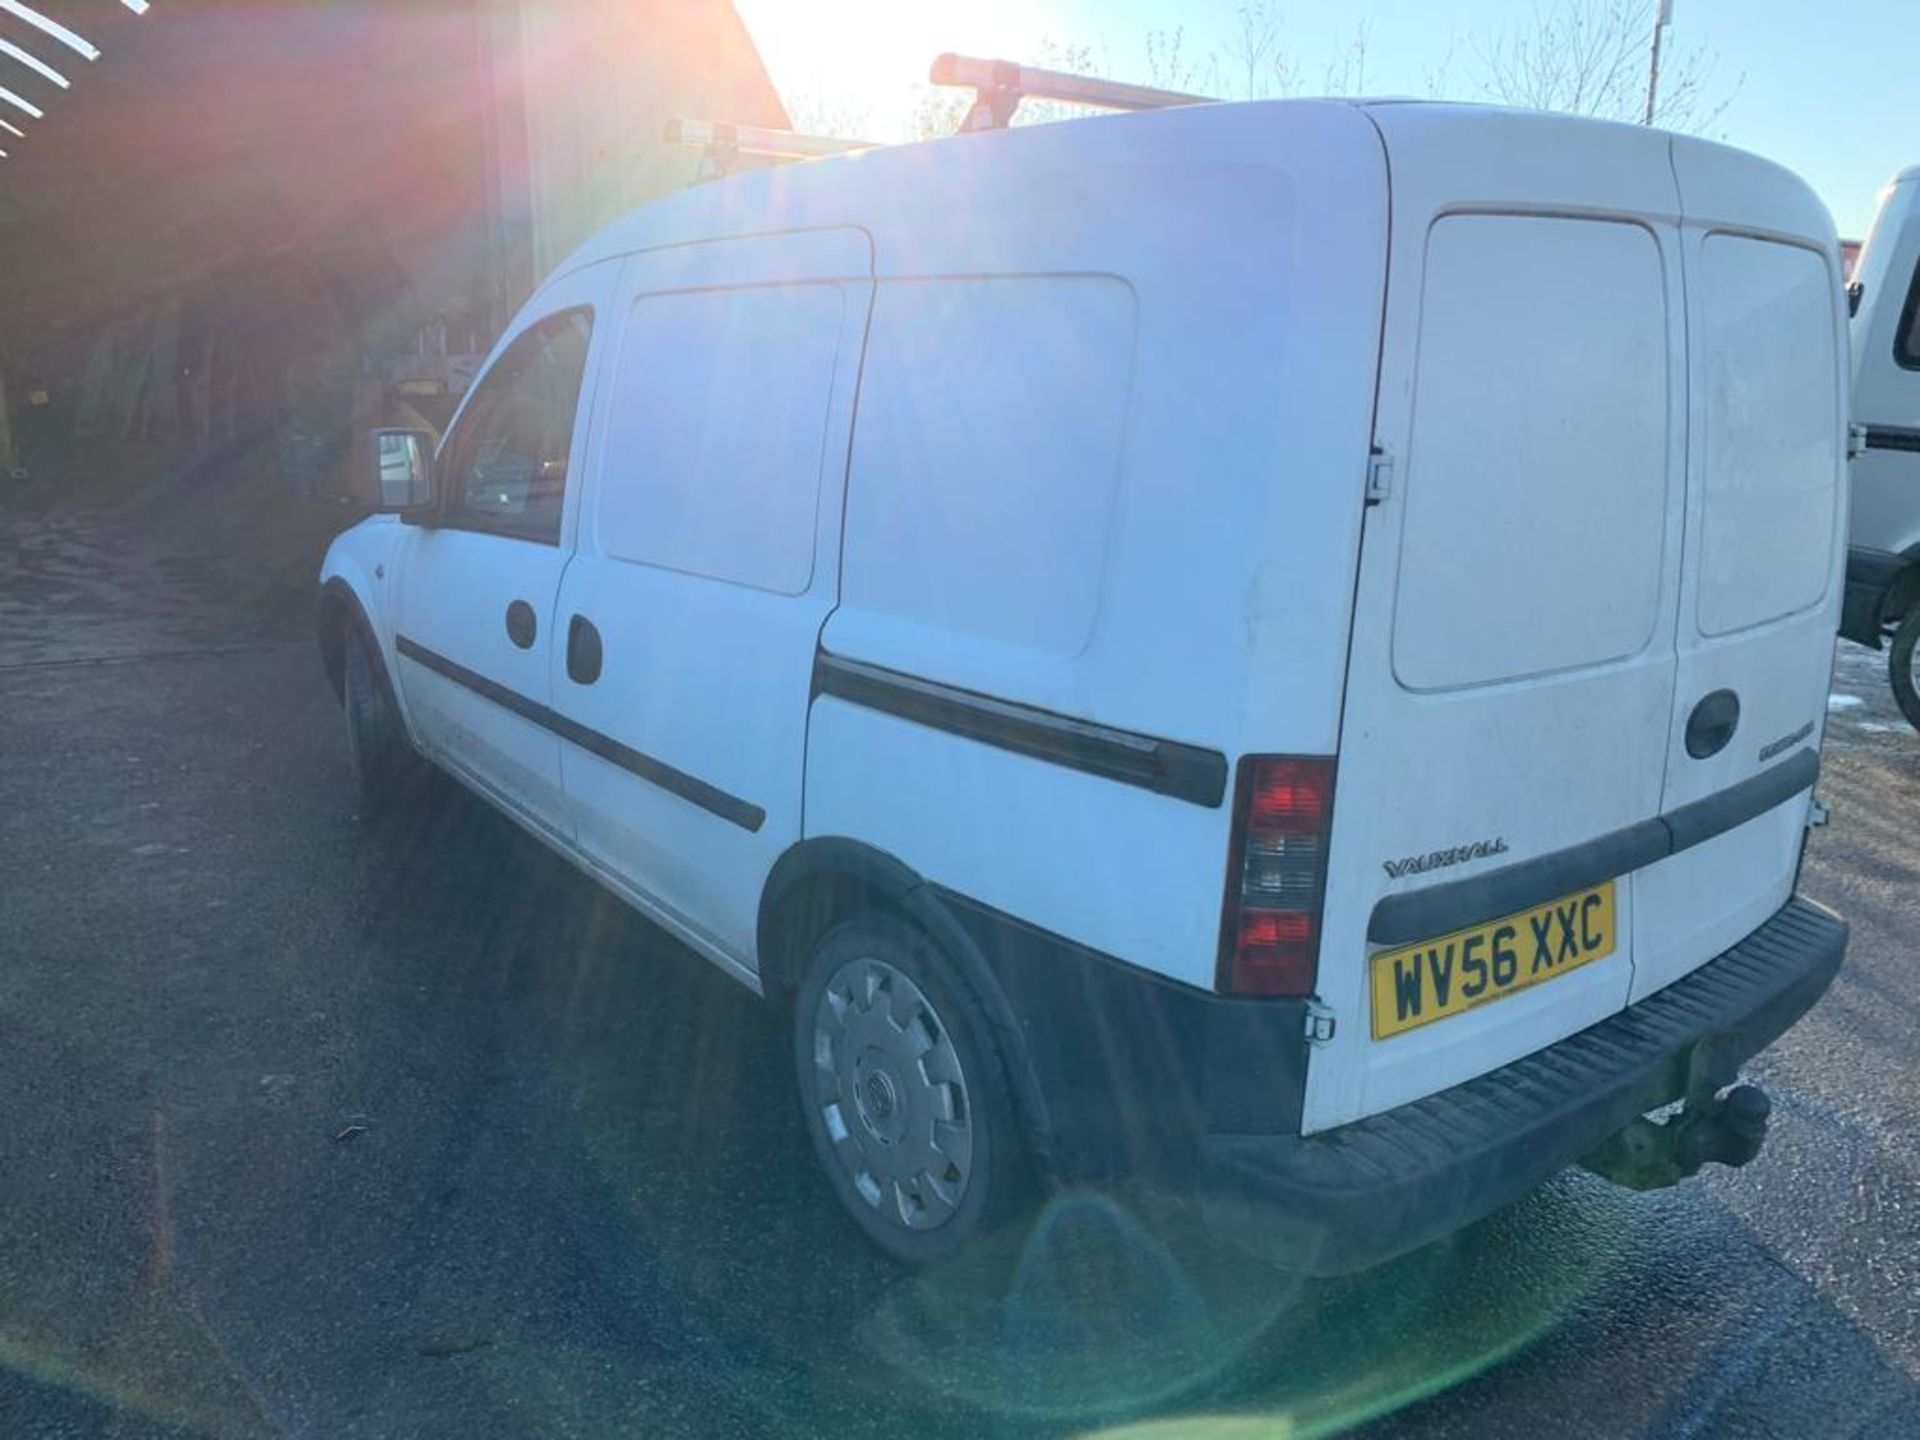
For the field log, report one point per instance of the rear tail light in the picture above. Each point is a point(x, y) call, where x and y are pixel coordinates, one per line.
point(1276, 876)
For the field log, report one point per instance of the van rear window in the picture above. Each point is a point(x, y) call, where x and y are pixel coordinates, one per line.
point(1771, 411)
point(1537, 476)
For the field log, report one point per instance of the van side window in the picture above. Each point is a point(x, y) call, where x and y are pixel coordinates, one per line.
point(505, 464)
point(1906, 340)
point(715, 433)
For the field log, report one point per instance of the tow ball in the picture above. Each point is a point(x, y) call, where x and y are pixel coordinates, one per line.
point(1717, 1123)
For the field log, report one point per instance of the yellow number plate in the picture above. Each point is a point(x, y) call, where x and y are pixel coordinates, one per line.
point(1419, 984)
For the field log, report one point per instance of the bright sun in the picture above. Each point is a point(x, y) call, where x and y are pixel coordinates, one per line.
point(861, 63)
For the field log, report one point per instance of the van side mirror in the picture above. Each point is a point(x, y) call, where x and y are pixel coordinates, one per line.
point(402, 472)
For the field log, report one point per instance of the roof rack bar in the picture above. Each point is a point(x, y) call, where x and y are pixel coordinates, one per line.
point(725, 144)
point(1000, 86)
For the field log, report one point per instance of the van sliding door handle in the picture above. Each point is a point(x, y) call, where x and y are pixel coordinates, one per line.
point(583, 651)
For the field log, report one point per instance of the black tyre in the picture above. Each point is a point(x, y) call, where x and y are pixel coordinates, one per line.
point(386, 769)
point(1900, 666)
point(904, 1092)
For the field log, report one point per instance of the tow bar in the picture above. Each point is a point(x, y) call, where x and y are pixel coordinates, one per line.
point(1718, 1122)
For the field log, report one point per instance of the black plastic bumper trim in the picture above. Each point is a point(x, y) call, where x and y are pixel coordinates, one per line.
point(1166, 767)
point(1868, 567)
point(1871, 576)
point(655, 772)
point(1442, 909)
point(1733, 807)
point(1135, 1067)
point(1355, 1196)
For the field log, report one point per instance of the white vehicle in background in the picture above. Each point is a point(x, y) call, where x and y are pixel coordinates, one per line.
point(1883, 555)
point(1279, 648)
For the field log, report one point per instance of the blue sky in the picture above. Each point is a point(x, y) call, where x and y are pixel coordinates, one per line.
point(1828, 91)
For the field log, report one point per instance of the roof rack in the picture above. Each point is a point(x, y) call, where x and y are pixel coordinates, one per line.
point(999, 86)
point(725, 145)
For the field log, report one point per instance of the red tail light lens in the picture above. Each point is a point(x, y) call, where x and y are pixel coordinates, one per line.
point(1289, 796)
point(1276, 876)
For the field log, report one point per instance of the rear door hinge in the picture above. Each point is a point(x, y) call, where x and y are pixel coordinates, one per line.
point(1319, 1023)
point(1817, 814)
point(1379, 476)
point(1856, 440)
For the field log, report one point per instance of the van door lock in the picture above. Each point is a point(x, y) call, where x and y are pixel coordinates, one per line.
point(1319, 1023)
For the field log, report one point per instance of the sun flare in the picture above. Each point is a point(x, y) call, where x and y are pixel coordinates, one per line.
point(860, 67)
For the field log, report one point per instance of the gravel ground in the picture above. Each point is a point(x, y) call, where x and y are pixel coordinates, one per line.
point(311, 1132)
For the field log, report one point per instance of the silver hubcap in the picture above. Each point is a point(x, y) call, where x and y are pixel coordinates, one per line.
point(888, 1086)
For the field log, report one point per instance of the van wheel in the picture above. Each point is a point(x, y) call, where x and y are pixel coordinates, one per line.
point(904, 1092)
point(385, 767)
point(1900, 663)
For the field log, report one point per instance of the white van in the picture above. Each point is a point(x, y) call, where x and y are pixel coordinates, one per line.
point(1883, 557)
point(1277, 648)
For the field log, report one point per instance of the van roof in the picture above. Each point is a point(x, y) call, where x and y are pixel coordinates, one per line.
point(837, 190)
point(945, 180)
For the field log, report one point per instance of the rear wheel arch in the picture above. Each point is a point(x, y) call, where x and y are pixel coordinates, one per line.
point(819, 882)
point(1903, 591)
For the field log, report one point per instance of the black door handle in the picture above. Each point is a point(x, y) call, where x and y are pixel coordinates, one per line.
point(583, 651)
point(521, 626)
point(1712, 723)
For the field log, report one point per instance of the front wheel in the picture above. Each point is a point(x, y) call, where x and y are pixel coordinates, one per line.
point(1900, 663)
point(905, 1093)
point(385, 767)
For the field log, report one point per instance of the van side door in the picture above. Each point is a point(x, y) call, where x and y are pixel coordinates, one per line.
point(476, 585)
point(708, 560)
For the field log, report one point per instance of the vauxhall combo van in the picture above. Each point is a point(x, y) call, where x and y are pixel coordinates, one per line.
point(1274, 649)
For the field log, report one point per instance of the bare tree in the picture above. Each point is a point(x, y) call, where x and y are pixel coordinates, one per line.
point(1258, 64)
point(1589, 57)
point(1256, 59)
point(1171, 66)
point(1347, 70)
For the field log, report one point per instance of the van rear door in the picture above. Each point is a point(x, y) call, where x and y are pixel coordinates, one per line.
point(1511, 681)
point(1760, 591)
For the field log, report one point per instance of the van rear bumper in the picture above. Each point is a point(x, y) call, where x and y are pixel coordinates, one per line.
point(1356, 1196)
